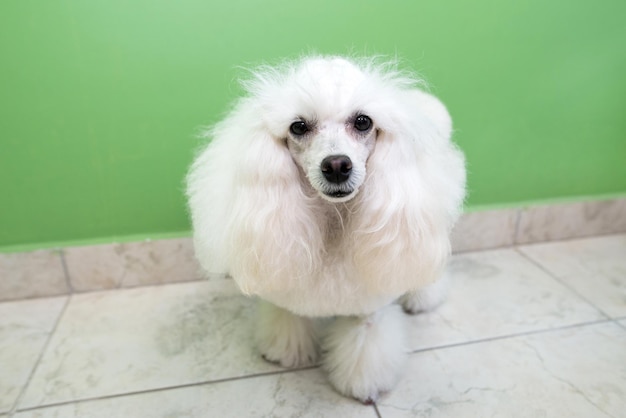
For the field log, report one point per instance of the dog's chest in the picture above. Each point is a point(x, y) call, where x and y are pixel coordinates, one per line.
point(336, 229)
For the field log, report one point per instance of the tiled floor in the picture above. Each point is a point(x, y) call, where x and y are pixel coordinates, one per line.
point(535, 331)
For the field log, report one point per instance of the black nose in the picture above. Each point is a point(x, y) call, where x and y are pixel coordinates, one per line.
point(336, 168)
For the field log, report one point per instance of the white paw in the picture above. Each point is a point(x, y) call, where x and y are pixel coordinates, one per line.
point(365, 356)
point(425, 299)
point(286, 339)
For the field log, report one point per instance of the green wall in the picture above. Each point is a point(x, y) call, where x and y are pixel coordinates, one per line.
point(101, 101)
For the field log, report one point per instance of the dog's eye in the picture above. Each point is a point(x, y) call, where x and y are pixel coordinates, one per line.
point(362, 123)
point(299, 128)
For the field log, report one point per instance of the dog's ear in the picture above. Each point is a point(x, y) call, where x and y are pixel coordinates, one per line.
point(412, 195)
point(250, 212)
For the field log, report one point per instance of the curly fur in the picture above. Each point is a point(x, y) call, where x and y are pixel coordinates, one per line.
point(258, 201)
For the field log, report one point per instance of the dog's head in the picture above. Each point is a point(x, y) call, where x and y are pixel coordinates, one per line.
point(326, 111)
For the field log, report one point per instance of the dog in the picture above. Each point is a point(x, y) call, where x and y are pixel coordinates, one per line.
point(329, 191)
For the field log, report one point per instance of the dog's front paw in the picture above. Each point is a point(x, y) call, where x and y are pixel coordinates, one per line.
point(425, 299)
point(364, 357)
point(286, 339)
point(288, 351)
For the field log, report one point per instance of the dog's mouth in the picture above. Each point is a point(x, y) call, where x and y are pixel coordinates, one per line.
point(338, 195)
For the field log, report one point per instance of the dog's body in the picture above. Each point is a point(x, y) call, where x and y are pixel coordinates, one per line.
point(331, 191)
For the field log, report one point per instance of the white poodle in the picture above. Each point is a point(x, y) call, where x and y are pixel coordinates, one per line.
point(330, 191)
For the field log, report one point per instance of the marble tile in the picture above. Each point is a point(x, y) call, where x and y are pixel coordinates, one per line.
point(161, 261)
point(571, 220)
point(109, 266)
point(95, 267)
point(32, 274)
point(577, 372)
point(594, 267)
point(497, 293)
point(146, 338)
point(295, 394)
point(24, 329)
point(485, 229)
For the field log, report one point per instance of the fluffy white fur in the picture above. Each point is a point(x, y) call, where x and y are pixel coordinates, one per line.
point(263, 211)
point(365, 355)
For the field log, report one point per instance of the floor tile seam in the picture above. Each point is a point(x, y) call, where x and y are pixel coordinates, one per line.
point(139, 286)
point(33, 297)
point(44, 349)
point(482, 250)
point(570, 239)
point(515, 335)
point(73, 291)
point(516, 244)
point(121, 289)
point(559, 280)
point(66, 271)
point(163, 389)
point(518, 222)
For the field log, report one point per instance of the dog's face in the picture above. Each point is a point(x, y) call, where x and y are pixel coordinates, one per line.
point(320, 111)
point(332, 153)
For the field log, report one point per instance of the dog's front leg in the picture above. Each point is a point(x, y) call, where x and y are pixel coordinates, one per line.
point(285, 338)
point(365, 356)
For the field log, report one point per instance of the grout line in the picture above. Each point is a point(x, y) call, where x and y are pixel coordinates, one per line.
point(37, 297)
point(482, 250)
point(137, 286)
point(134, 287)
point(518, 221)
point(572, 238)
point(559, 280)
point(166, 388)
point(66, 271)
point(112, 289)
point(44, 349)
point(543, 242)
point(377, 411)
point(511, 336)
